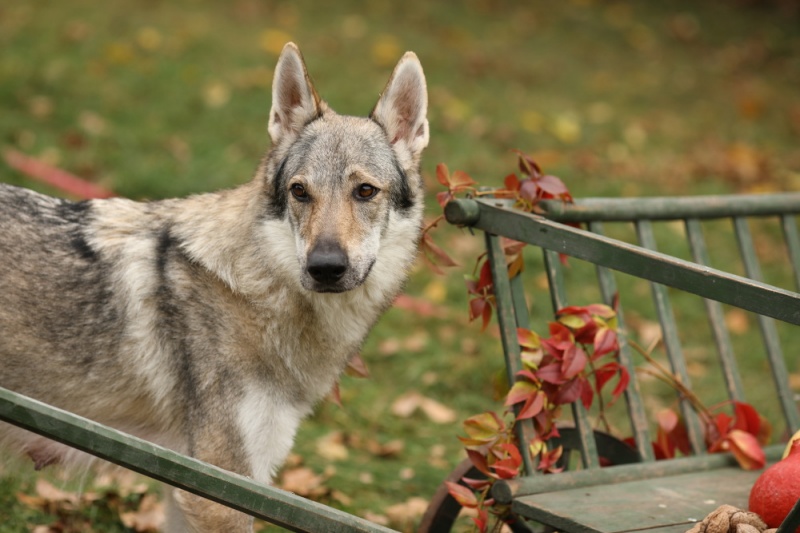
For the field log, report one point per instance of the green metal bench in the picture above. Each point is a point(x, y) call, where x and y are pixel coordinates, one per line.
point(659, 496)
point(276, 506)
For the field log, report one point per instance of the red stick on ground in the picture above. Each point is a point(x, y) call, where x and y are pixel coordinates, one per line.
point(56, 177)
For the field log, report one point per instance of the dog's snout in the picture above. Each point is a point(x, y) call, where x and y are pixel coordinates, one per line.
point(327, 262)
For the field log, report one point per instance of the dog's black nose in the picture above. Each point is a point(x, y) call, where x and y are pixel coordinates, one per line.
point(327, 262)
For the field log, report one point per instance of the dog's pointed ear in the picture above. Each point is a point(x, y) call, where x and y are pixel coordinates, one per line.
point(294, 100)
point(402, 109)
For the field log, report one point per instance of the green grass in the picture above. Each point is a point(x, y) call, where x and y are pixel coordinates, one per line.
point(159, 99)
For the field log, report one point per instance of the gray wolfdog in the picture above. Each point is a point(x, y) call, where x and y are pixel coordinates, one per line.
point(213, 324)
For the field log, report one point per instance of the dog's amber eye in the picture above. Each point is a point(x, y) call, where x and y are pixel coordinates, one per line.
point(366, 191)
point(299, 192)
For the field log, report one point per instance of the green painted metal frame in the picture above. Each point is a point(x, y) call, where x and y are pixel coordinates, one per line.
point(276, 506)
point(673, 207)
point(494, 217)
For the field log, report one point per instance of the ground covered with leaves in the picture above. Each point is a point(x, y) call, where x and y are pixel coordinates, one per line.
point(618, 98)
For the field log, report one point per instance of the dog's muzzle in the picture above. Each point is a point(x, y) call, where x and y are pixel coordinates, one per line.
point(327, 264)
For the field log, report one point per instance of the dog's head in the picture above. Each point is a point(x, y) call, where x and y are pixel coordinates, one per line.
point(346, 186)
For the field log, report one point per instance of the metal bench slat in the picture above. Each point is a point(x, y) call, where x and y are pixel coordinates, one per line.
point(508, 318)
point(768, 330)
point(672, 343)
point(716, 317)
point(672, 207)
point(789, 225)
point(558, 293)
point(633, 394)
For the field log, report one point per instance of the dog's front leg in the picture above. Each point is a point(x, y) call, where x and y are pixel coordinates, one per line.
point(189, 513)
point(212, 438)
point(253, 442)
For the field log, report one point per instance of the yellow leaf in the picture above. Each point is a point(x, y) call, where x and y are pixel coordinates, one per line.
point(149, 38)
point(272, 40)
point(566, 128)
point(386, 50)
point(216, 94)
point(435, 291)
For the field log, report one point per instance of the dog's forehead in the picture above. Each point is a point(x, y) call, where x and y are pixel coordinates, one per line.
point(329, 147)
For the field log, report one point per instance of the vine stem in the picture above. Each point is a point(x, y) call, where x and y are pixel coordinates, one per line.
point(434, 223)
point(673, 381)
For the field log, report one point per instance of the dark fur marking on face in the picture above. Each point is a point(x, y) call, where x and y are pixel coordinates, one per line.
point(277, 202)
point(401, 195)
point(313, 119)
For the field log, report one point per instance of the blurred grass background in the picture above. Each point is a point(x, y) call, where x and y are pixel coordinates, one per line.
point(619, 98)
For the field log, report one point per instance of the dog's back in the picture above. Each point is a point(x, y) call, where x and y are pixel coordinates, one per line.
point(57, 315)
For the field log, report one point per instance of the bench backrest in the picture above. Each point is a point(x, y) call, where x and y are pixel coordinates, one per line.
point(642, 260)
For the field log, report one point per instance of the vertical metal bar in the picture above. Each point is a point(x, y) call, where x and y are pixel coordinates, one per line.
point(508, 321)
point(633, 394)
point(716, 318)
point(768, 330)
point(789, 225)
point(558, 295)
point(672, 344)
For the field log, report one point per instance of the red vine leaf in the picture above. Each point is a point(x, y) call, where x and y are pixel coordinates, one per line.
point(745, 448)
point(481, 521)
point(551, 373)
point(533, 406)
point(462, 495)
point(549, 459)
point(479, 461)
point(520, 392)
point(622, 385)
point(574, 361)
point(605, 341)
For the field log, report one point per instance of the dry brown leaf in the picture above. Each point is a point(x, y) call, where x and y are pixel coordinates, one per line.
point(737, 321)
point(376, 518)
point(341, 497)
point(407, 512)
point(405, 405)
point(33, 502)
point(52, 494)
point(437, 412)
point(302, 481)
point(392, 448)
point(417, 341)
point(148, 518)
point(332, 446)
point(437, 456)
point(389, 347)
